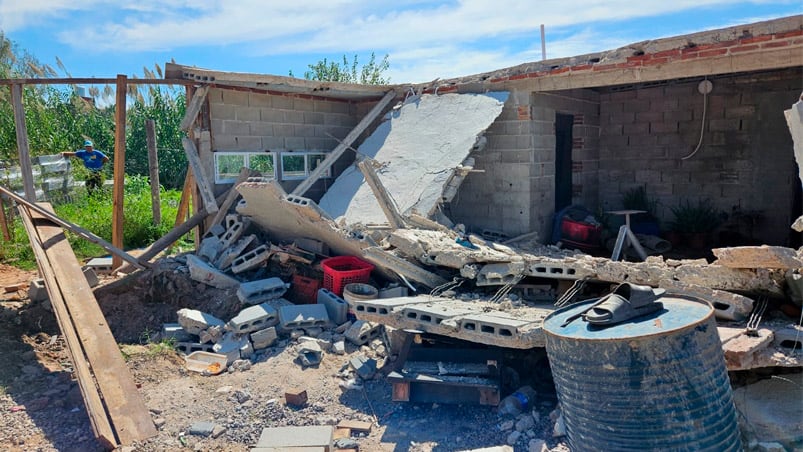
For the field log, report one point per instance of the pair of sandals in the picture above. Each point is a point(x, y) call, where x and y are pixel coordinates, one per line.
point(627, 301)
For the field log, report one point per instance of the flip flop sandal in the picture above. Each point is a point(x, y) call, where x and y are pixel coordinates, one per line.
point(626, 302)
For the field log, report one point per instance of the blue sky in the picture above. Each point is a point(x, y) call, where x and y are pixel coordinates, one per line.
point(424, 39)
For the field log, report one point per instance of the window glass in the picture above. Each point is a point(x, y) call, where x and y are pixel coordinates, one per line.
point(314, 160)
point(262, 163)
point(227, 166)
point(293, 166)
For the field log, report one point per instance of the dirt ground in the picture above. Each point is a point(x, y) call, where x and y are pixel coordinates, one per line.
point(42, 409)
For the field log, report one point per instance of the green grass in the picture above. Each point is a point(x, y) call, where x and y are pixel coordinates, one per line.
point(94, 213)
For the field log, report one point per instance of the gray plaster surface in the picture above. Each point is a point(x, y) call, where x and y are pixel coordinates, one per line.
point(419, 146)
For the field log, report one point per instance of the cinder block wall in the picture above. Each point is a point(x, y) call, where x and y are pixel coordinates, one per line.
point(515, 193)
point(745, 162)
point(247, 120)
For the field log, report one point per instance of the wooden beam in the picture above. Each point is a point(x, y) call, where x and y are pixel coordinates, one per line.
point(194, 107)
point(207, 197)
point(332, 157)
point(22, 142)
point(125, 406)
point(232, 195)
point(92, 81)
point(4, 221)
point(119, 168)
point(77, 230)
point(184, 203)
point(101, 424)
point(395, 219)
point(153, 170)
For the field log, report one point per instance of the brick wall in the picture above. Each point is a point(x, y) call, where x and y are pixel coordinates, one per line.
point(246, 120)
point(745, 161)
point(515, 192)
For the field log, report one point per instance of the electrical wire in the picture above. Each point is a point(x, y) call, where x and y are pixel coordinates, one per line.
point(702, 126)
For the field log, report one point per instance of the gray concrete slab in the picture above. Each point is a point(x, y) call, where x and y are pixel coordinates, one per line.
point(307, 436)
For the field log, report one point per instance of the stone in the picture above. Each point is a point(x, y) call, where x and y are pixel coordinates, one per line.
point(513, 437)
point(202, 272)
point(537, 445)
point(218, 430)
point(524, 423)
point(507, 425)
point(159, 422)
point(202, 428)
point(194, 321)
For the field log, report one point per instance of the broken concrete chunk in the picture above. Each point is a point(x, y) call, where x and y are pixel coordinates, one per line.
point(253, 318)
point(246, 352)
point(361, 332)
point(303, 316)
point(261, 290)
point(727, 305)
point(264, 338)
point(773, 409)
point(191, 347)
point(365, 367)
point(758, 257)
point(37, 290)
point(211, 334)
point(217, 230)
point(236, 228)
point(741, 350)
point(194, 321)
point(175, 332)
point(230, 346)
point(500, 274)
point(310, 353)
point(209, 249)
point(202, 428)
point(202, 272)
point(251, 259)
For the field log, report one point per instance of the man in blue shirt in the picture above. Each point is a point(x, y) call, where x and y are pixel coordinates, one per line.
point(93, 161)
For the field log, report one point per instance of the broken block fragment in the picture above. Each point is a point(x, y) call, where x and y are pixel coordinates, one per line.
point(229, 254)
point(194, 321)
point(251, 259)
point(303, 316)
point(261, 290)
point(230, 345)
point(263, 338)
point(361, 332)
point(253, 318)
point(310, 353)
point(202, 272)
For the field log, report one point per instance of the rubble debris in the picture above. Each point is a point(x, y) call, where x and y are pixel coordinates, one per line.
point(230, 345)
point(227, 256)
point(263, 338)
point(194, 321)
point(251, 259)
point(740, 350)
point(364, 366)
point(771, 410)
point(727, 305)
point(202, 428)
point(361, 332)
point(758, 257)
point(295, 397)
point(301, 316)
point(203, 272)
point(37, 291)
point(310, 353)
point(254, 292)
point(253, 318)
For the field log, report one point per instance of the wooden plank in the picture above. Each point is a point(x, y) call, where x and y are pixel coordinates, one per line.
point(119, 167)
point(381, 194)
point(194, 107)
point(77, 230)
point(332, 157)
point(124, 404)
point(4, 221)
point(232, 195)
point(207, 197)
point(101, 425)
point(153, 171)
point(401, 391)
point(184, 202)
point(22, 142)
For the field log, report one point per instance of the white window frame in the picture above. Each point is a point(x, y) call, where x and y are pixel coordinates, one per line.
point(307, 164)
point(246, 163)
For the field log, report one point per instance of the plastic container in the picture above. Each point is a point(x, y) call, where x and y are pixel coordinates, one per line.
point(341, 270)
point(519, 402)
point(305, 290)
point(578, 231)
point(205, 362)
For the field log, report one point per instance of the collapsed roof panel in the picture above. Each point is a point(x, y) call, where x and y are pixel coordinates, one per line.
point(418, 146)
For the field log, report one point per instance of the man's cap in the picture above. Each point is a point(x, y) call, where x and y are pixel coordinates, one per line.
point(88, 143)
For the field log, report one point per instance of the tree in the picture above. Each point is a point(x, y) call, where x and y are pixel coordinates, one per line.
point(347, 72)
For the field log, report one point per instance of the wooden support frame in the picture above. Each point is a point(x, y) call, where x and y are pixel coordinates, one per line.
point(117, 410)
point(153, 171)
point(382, 196)
point(77, 230)
point(119, 168)
point(338, 151)
point(207, 197)
point(22, 142)
point(197, 102)
point(4, 221)
point(186, 195)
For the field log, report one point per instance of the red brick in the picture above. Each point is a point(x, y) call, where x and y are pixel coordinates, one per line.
point(774, 44)
point(755, 39)
point(560, 70)
point(666, 53)
point(744, 48)
point(797, 41)
point(517, 77)
point(296, 397)
point(788, 34)
point(715, 52)
point(629, 64)
point(639, 57)
point(716, 45)
point(500, 79)
point(689, 56)
point(656, 61)
point(582, 67)
point(603, 67)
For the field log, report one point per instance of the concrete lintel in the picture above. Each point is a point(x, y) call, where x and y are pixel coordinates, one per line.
point(383, 259)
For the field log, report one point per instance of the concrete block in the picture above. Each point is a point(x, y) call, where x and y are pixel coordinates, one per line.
point(37, 290)
point(261, 290)
point(303, 316)
point(217, 230)
point(90, 275)
point(361, 332)
point(253, 318)
point(202, 428)
point(496, 324)
point(310, 353)
point(202, 272)
point(176, 332)
point(364, 366)
point(263, 338)
point(727, 305)
point(195, 321)
point(189, 347)
point(102, 265)
point(500, 274)
point(336, 307)
point(741, 351)
point(295, 397)
point(339, 348)
point(296, 437)
point(228, 255)
point(234, 230)
point(230, 346)
point(251, 259)
point(210, 248)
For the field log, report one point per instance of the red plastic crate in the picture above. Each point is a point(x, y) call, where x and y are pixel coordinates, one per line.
point(577, 231)
point(305, 290)
point(341, 270)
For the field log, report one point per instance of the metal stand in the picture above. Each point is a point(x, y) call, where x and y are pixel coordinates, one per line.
point(626, 237)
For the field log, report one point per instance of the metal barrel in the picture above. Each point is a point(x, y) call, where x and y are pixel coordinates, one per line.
point(656, 382)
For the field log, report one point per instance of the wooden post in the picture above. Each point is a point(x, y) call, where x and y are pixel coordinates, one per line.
point(4, 221)
point(119, 168)
point(22, 142)
point(153, 168)
point(184, 204)
point(380, 193)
